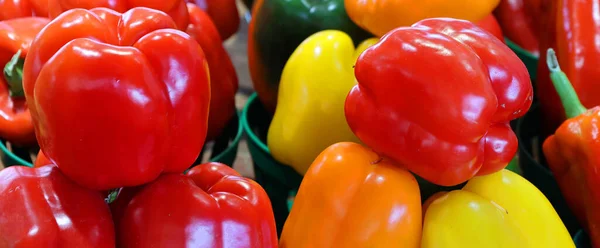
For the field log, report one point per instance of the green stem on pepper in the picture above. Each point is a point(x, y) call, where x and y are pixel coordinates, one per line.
point(13, 73)
point(563, 86)
point(112, 195)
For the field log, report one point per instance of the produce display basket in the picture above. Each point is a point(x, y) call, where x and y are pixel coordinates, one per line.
point(12, 155)
point(530, 61)
point(532, 162)
point(225, 146)
point(279, 181)
point(582, 240)
point(223, 149)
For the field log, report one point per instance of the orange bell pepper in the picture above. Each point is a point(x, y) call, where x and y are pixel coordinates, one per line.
point(381, 16)
point(350, 191)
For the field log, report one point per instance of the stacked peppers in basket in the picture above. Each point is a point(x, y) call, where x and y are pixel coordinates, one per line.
point(434, 100)
point(459, 133)
point(122, 95)
point(119, 100)
point(17, 31)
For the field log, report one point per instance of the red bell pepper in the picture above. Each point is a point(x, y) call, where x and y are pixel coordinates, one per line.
point(15, 37)
point(519, 22)
point(133, 98)
point(211, 206)
point(40, 207)
point(224, 14)
point(449, 126)
point(223, 78)
point(572, 154)
point(175, 8)
point(10, 9)
point(573, 36)
point(491, 25)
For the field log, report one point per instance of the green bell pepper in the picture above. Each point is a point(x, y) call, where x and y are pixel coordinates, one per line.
point(279, 26)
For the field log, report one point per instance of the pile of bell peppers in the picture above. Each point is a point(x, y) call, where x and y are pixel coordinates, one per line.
point(122, 95)
point(459, 134)
point(219, 20)
point(358, 196)
point(119, 103)
point(287, 72)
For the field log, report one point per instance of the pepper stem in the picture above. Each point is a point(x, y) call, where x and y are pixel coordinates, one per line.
point(112, 195)
point(13, 73)
point(563, 86)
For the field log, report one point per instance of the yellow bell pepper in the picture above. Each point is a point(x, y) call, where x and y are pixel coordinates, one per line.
point(381, 16)
point(310, 111)
point(498, 210)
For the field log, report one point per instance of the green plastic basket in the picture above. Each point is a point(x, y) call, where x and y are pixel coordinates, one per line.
point(530, 61)
point(582, 240)
point(224, 148)
point(279, 181)
point(15, 156)
point(532, 161)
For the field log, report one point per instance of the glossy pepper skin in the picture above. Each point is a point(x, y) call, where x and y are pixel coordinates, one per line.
point(276, 30)
point(11, 9)
point(382, 16)
point(175, 8)
point(40, 207)
point(350, 197)
point(15, 120)
point(573, 38)
point(518, 19)
point(224, 13)
point(449, 126)
point(210, 206)
point(572, 154)
point(223, 78)
point(310, 111)
point(143, 87)
point(497, 210)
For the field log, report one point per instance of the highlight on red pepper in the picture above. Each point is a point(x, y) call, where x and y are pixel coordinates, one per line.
point(573, 36)
point(224, 13)
point(11, 9)
point(210, 206)
point(572, 151)
point(448, 126)
point(42, 208)
point(175, 8)
point(519, 21)
point(132, 103)
point(223, 78)
point(15, 38)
